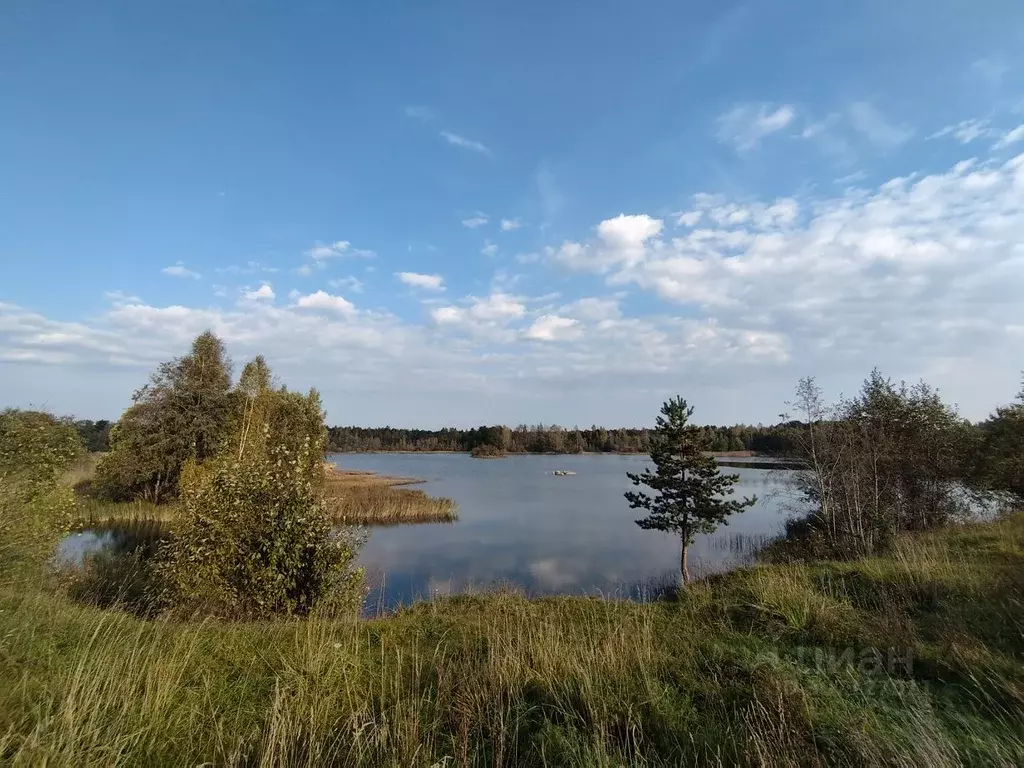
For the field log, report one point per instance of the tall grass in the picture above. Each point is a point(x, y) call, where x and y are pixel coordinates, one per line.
point(358, 498)
point(763, 666)
point(353, 498)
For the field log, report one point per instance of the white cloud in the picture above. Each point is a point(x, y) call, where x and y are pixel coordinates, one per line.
point(476, 220)
point(497, 307)
point(819, 128)
point(554, 328)
point(922, 269)
point(444, 315)
point(324, 251)
point(486, 317)
point(263, 293)
point(351, 283)
point(851, 178)
point(593, 309)
point(417, 280)
point(920, 275)
point(461, 141)
point(745, 125)
point(867, 120)
point(689, 218)
point(827, 135)
point(180, 270)
point(507, 225)
point(250, 268)
point(322, 300)
point(621, 241)
point(120, 298)
point(1011, 137)
point(965, 131)
point(489, 248)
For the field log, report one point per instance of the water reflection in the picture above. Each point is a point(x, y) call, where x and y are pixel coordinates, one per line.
point(118, 539)
point(520, 526)
point(542, 533)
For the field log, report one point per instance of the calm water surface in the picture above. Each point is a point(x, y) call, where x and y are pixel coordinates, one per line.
point(543, 533)
point(520, 525)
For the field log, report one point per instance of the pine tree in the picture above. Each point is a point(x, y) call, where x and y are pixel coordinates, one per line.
point(691, 492)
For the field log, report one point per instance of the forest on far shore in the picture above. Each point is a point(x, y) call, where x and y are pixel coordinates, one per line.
point(777, 440)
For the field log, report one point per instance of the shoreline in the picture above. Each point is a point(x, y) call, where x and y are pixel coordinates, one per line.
point(716, 454)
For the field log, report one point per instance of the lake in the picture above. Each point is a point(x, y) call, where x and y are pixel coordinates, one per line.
point(542, 533)
point(521, 526)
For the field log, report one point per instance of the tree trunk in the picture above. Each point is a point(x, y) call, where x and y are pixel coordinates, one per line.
point(684, 571)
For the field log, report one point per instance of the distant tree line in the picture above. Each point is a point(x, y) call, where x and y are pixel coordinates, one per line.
point(779, 439)
point(95, 435)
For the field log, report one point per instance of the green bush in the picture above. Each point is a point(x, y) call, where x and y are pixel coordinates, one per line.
point(254, 538)
point(35, 449)
point(255, 541)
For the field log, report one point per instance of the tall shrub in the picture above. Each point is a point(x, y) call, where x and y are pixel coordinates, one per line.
point(1000, 464)
point(892, 458)
point(254, 539)
point(35, 449)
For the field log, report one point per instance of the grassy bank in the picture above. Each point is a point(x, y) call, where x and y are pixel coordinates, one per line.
point(353, 498)
point(915, 658)
point(366, 498)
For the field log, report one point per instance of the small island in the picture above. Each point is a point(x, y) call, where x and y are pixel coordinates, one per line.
point(488, 451)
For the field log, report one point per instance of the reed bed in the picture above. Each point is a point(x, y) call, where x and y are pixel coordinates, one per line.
point(361, 498)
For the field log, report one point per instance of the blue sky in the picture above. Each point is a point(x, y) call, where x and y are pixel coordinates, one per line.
point(463, 213)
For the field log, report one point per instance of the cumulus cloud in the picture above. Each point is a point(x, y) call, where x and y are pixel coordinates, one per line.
point(489, 248)
point(417, 280)
point(180, 270)
point(745, 125)
point(929, 264)
point(352, 284)
point(324, 251)
point(321, 300)
point(621, 240)
point(263, 293)
point(507, 225)
point(593, 308)
point(486, 316)
point(920, 275)
point(476, 220)
point(554, 328)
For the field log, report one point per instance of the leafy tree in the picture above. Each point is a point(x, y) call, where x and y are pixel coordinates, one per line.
point(95, 434)
point(180, 414)
point(691, 492)
point(893, 458)
point(35, 449)
point(1001, 458)
point(255, 539)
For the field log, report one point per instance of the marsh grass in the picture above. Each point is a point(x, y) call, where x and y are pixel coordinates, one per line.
point(353, 498)
point(364, 498)
point(768, 665)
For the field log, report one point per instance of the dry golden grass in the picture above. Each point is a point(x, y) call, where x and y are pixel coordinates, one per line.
point(365, 498)
point(82, 471)
point(353, 498)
